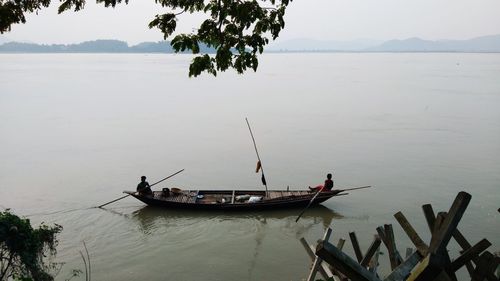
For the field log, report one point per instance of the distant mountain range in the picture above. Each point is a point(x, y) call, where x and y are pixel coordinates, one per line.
point(478, 44)
point(97, 46)
point(484, 44)
point(297, 45)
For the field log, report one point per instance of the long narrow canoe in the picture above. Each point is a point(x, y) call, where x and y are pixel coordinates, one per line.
point(234, 199)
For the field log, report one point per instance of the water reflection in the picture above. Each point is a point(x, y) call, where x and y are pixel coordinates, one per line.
point(149, 218)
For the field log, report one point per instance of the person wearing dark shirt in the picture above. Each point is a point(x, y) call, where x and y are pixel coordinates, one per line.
point(143, 187)
point(326, 187)
point(329, 182)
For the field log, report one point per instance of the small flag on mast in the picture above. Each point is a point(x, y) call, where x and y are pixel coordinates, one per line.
point(258, 167)
point(264, 180)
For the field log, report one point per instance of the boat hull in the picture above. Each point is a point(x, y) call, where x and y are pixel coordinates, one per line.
point(288, 199)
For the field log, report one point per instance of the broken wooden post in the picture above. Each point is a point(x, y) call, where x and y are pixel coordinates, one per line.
point(422, 248)
point(343, 262)
point(341, 276)
point(371, 251)
point(317, 260)
point(428, 269)
point(387, 236)
point(355, 245)
point(486, 265)
point(429, 216)
point(403, 270)
point(457, 235)
point(323, 270)
point(469, 254)
point(373, 264)
point(341, 243)
point(442, 237)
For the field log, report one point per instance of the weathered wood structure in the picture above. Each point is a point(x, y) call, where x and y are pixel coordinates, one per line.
point(430, 261)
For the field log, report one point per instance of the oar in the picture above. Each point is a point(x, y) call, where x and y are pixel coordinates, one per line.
point(100, 206)
point(309, 204)
point(354, 188)
point(339, 191)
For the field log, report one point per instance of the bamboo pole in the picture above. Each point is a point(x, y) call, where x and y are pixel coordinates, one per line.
point(100, 206)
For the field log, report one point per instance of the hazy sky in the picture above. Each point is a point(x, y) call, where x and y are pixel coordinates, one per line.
point(316, 19)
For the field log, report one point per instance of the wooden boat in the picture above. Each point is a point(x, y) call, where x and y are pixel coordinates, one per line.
point(234, 199)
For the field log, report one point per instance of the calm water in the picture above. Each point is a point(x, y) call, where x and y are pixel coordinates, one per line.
point(77, 130)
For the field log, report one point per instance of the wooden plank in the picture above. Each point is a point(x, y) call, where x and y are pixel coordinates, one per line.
point(442, 257)
point(318, 260)
point(438, 222)
point(340, 244)
point(403, 270)
point(429, 216)
point(355, 245)
point(373, 264)
point(310, 251)
point(487, 264)
point(394, 256)
point(440, 239)
point(381, 234)
point(428, 269)
point(457, 235)
point(343, 262)
point(371, 251)
point(422, 248)
point(341, 276)
point(469, 254)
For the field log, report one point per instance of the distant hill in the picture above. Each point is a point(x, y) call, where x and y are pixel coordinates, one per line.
point(97, 46)
point(478, 44)
point(297, 45)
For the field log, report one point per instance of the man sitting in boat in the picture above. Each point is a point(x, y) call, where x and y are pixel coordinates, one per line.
point(326, 187)
point(143, 187)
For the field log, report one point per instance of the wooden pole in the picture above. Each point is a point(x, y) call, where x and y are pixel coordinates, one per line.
point(100, 206)
point(442, 237)
point(370, 252)
point(264, 181)
point(354, 188)
point(343, 262)
point(412, 234)
point(309, 204)
point(355, 246)
point(324, 270)
point(318, 260)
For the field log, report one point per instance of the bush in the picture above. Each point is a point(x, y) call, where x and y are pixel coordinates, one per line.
point(25, 252)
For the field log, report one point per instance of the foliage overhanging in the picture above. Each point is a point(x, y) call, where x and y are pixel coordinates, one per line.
point(24, 250)
point(237, 29)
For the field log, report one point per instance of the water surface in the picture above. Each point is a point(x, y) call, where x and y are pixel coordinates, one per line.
point(78, 129)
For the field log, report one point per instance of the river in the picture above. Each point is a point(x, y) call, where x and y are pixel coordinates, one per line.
point(78, 129)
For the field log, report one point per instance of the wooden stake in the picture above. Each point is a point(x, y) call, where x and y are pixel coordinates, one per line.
point(343, 262)
point(355, 245)
point(412, 234)
point(318, 260)
point(440, 239)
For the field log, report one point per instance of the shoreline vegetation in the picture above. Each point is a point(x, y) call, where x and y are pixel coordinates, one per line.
point(484, 44)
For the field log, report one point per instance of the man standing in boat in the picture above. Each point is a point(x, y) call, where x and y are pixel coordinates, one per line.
point(326, 187)
point(143, 187)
